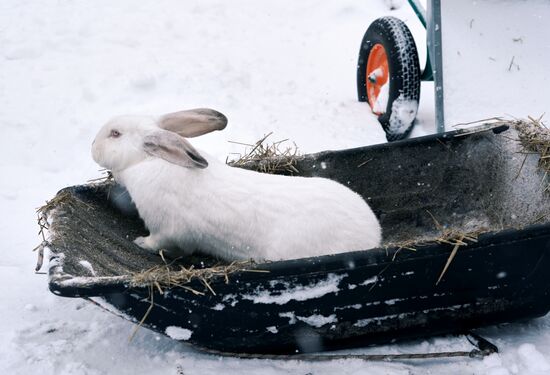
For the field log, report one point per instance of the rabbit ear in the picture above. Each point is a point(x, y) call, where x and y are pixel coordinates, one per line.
point(193, 122)
point(174, 149)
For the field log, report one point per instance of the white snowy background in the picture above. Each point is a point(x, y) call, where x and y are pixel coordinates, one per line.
point(283, 66)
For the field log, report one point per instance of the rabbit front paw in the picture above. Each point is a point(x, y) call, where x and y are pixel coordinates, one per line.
point(147, 243)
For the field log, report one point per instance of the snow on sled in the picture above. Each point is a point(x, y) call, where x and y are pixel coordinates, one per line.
point(466, 244)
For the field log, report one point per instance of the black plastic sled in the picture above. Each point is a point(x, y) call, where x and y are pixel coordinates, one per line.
point(468, 208)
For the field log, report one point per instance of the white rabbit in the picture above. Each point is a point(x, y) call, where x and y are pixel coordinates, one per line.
point(190, 201)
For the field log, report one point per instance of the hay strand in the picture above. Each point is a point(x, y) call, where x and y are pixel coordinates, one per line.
point(274, 158)
point(43, 225)
point(534, 136)
point(136, 328)
point(449, 260)
point(169, 276)
point(454, 238)
point(108, 177)
point(365, 162)
point(60, 198)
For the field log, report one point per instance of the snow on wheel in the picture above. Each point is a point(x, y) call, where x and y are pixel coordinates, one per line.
point(388, 75)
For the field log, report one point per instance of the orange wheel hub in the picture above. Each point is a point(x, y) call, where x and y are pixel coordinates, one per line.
point(377, 74)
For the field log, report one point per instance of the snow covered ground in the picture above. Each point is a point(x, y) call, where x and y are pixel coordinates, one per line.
point(282, 66)
point(506, 71)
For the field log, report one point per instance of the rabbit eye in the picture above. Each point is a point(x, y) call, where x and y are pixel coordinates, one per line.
point(114, 133)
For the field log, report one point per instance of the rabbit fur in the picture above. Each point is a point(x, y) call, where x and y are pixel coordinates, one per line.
point(190, 201)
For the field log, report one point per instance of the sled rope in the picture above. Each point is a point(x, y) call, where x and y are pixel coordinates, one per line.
point(483, 349)
point(475, 353)
point(43, 225)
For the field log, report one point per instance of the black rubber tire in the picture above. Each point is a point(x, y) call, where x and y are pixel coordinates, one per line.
point(404, 72)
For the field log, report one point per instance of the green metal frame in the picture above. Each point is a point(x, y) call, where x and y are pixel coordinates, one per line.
point(433, 71)
point(427, 73)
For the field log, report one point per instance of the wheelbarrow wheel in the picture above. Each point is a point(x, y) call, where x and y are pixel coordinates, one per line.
point(388, 75)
